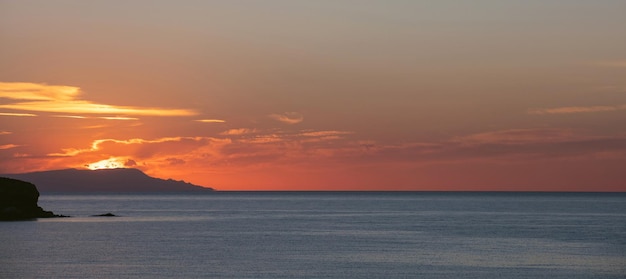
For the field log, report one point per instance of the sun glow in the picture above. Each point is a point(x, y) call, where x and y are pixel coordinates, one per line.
point(111, 163)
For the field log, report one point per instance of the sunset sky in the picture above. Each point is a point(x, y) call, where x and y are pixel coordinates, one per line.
point(320, 95)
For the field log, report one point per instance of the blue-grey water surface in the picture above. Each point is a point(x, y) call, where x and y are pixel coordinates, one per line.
point(321, 235)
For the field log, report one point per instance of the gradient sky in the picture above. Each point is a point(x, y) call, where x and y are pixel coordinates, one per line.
point(320, 95)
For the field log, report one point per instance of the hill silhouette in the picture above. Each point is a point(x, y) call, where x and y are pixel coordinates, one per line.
point(124, 180)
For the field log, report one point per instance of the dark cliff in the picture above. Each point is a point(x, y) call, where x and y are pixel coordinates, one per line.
point(18, 201)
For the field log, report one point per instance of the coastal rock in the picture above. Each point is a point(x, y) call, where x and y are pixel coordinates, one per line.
point(105, 215)
point(18, 201)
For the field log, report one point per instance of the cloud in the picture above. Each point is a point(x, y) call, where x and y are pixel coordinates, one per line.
point(71, 116)
point(288, 117)
point(64, 99)
point(118, 118)
point(37, 92)
point(240, 153)
point(308, 136)
point(5, 133)
point(237, 132)
point(325, 133)
point(533, 144)
point(99, 144)
point(519, 136)
point(256, 148)
point(270, 138)
point(211, 120)
point(16, 114)
point(501, 147)
point(175, 161)
point(8, 146)
point(569, 110)
point(101, 117)
point(80, 107)
point(319, 136)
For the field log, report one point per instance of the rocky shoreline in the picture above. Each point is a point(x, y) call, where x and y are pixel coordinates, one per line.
point(18, 201)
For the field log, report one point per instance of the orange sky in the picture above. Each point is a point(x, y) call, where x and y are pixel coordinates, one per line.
point(320, 95)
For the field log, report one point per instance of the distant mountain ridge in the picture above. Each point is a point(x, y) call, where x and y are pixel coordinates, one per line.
point(124, 180)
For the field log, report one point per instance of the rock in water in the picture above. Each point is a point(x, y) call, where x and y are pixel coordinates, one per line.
point(18, 201)
point(105, 215)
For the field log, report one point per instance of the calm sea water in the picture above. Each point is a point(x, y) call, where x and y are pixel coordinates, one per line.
point(321, 235)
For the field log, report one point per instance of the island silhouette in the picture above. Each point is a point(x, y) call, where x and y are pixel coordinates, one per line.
point(120, 180)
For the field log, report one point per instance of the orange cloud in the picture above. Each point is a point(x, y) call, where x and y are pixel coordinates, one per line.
point(325, 133)
point(568, 110)
point(71, 116)
point(97, 145)
point(263, 139)
point(288, 117)
point(16, 114)
point(211, 120)
point(242, 158)
point(236, 132)
point(37, 92)
point(259, 149)
point(119, 118)
point(8, 146)
point(101, 117)
point(63, 99)
point(273, 137)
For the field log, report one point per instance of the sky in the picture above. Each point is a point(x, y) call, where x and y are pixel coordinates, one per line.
point(320, 95)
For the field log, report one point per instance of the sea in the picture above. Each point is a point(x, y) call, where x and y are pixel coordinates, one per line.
point(321, 235)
